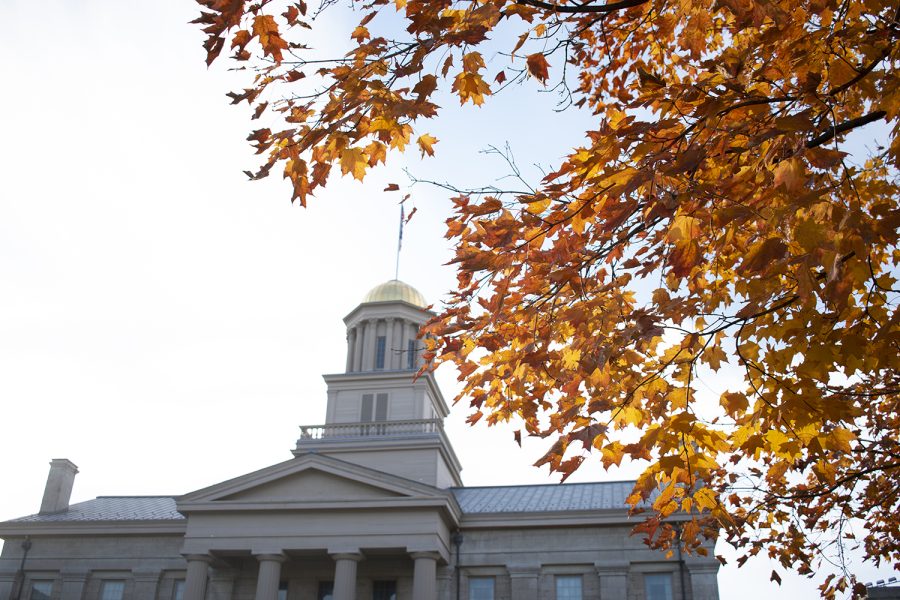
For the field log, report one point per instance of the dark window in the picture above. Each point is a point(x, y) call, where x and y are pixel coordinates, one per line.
point(41, 590)
point(326, 590)
point(282, 590)
point(411, 354)
point(380, 344)
point(384, 590)
point(178, 592)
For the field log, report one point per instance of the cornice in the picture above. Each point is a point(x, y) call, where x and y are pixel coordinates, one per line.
point(33, 528)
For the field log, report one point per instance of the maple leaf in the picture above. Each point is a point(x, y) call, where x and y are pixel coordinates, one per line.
point(266, 29)
point(354, 162)
point(470, 86)
point(425, 143)
point(538, 66)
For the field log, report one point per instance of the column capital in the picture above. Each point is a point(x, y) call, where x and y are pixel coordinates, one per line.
point(424, 554)
point(198, 557)
point(354, 556)
point(270, 556)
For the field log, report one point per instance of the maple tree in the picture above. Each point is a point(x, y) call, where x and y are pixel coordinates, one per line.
point(714, 219)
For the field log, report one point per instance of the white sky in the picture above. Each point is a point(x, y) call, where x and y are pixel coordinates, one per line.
point(164, 323)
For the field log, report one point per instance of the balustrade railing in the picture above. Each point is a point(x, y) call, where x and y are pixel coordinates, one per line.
point(333, 431)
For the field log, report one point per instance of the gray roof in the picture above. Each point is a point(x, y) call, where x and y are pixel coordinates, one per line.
point(113, 508)
point(543, 498)
point(472, 500)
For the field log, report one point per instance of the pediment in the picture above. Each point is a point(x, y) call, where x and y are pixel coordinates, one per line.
point(310, 479)
point(312, 485)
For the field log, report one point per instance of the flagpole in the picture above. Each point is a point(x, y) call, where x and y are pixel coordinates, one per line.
point(399, 245)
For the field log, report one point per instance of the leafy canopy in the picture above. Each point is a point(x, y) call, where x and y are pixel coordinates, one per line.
point(714, 219)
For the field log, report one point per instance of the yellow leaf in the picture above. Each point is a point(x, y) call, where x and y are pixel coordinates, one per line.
point(840, 438)
point(790, 174)
point(570, 358)
point(705, 499)
point(470, 86)
point(683, 229)
point(354, 161)
point(425, 144)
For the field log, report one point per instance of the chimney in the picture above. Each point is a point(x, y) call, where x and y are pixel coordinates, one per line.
point(59, 486)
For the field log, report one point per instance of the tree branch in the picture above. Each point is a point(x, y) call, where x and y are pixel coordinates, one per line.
point(844, 127)
point(583, 9)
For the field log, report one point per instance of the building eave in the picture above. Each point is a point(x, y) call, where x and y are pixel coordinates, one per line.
point(571, 518)
point(55, 528)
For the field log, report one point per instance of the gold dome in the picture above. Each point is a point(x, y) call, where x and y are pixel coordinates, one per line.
point(394, 290)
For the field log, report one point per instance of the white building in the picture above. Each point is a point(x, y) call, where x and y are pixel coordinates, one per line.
point(370, 507)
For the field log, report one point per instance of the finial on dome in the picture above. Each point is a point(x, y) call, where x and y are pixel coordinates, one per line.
point(393, 291)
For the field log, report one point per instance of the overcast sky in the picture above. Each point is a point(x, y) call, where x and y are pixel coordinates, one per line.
point(164, 323)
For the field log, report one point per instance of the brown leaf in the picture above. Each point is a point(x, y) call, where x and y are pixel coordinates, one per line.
point(538, 66)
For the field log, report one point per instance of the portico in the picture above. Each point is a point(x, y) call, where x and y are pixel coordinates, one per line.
point(351, 576)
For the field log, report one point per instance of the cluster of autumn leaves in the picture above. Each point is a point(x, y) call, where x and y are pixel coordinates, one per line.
point(716, 219)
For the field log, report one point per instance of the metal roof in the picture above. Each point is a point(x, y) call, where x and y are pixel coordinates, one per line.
point(472, 500)
point(113, 508)
point(544, 498)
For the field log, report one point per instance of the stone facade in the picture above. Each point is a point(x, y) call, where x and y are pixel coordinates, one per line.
point(371, 506)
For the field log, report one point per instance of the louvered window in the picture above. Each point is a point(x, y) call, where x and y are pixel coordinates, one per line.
point(374, 410)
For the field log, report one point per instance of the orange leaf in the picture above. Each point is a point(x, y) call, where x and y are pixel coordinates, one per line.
point(538, 66)
point(266, 29)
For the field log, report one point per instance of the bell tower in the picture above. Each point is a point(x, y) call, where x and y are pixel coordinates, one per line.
point(379, 414)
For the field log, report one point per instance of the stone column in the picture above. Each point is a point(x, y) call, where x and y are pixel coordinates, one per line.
point(72, 585)
point(369, 350)
point(351, 342)
point(389, 345)
point(345, 575)
point(269, 576)
point(145, 583)
point(613, 580)
point(358, 347)
point(195, 582)
point(524, 582)
point(425, 575)
point(703, 582)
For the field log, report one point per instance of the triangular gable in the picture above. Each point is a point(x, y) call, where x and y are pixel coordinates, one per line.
point(312, 478)
point(311, 485)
